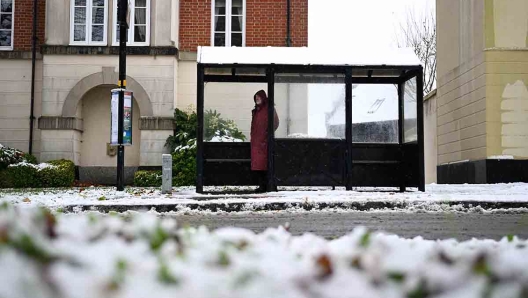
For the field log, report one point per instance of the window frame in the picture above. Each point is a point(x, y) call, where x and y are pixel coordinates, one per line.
point(131, 27)
point(88, 40)
point(228, 16)
point(11, 47)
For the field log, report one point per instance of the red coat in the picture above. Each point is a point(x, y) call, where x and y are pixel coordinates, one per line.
point(259, 134)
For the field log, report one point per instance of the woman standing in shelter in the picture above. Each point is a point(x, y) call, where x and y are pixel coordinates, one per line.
point(259, 138)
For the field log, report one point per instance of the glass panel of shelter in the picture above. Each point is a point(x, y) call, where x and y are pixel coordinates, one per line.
point(228, 110)
point(410, 125)
point(308, 148)
point(309, 105)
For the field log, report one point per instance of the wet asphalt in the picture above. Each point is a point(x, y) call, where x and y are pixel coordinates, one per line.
point(461, 226)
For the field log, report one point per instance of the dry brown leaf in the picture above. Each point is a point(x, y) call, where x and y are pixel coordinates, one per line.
point(325, 265)
point(26, 200)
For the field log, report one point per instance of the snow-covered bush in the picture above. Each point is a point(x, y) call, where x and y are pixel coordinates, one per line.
point(56, 173)
point(216, 129)
point(61, 173)
point(220, 128)
point(140, 255)
point(184, 165)
point(20, 175)
point(183, 143)
point(9, 156)
point(147, 178)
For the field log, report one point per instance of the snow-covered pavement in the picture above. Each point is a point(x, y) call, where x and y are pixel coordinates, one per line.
point(362, 199)
point(142, 255)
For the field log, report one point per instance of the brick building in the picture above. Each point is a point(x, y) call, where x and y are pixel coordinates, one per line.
point(16, 23)
point(78, 62)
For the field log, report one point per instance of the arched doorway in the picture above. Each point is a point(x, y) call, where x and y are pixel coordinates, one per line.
point(94, 109)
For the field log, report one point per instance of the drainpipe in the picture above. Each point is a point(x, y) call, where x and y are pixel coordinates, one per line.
point(33, 62)
point(288, 17)
point(288, 44)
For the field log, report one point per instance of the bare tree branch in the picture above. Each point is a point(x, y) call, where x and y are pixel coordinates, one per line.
point(419, 33)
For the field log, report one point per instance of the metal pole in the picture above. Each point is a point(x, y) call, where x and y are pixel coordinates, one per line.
point(420, 129)
point(200, 129)
point(122, 12)
point(401, 128)
point(271, 129)
point(348, 126)
point(33, 62)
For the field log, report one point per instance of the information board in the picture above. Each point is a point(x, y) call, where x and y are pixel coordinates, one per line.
point(127, 118)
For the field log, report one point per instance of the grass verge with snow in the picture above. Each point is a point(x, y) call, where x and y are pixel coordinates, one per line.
point(141, 255)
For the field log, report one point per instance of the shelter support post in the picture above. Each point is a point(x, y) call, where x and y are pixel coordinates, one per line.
point(122, 11)
point(271, 129)
point(401, 130)
point(200, 129)
point(420, 129)
point(348, 130)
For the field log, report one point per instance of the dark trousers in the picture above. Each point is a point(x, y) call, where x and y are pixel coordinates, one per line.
point(262, 179)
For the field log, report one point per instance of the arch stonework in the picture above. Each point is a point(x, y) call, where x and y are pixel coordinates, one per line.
point(106, 77)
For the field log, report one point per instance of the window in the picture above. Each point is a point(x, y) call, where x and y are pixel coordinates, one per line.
point(6, 24)
point(88, 22)
point(229, 22)
point(138, 33)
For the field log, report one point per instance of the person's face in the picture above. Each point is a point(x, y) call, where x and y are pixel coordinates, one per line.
point(258, 100)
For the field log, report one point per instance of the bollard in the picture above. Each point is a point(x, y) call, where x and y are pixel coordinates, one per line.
point(166, 163)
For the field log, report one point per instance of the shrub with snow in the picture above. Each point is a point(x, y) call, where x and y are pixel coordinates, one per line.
point(147, 178)
point(56, 173)
point(184, 164)
point(140, 255)
point(9, 156)
point(183, 143)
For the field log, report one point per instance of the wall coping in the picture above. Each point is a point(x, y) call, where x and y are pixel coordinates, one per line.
point(60, 123)
point(430, 95)
point(107, 50)
point(156, 123)
point(73, 123)
point(24, 55)
point(506, 49)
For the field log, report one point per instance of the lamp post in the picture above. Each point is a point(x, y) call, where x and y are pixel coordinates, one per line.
point(123, 26)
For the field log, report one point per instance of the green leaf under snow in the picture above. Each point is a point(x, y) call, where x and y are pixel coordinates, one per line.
point(365, 240)
point(165, 276)
point(158, 238)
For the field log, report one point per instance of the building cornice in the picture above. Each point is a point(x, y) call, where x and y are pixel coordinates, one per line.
point(106, 50)
point(24, 55)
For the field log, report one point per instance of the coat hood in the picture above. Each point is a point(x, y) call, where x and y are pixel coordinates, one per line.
point(263, 95)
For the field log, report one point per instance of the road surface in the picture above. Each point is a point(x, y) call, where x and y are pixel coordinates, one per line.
point(462, 226)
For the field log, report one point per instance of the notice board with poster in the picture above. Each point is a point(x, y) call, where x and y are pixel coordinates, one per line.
point(127, 118)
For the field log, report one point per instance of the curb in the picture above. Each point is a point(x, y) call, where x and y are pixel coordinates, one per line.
point(279, 206)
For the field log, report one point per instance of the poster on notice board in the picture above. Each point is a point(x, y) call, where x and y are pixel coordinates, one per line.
point(127, 119)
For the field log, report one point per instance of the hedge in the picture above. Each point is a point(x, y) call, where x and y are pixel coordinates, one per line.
point(57, 173)
point(63, 175)
point(147, 178)
point(22, 175)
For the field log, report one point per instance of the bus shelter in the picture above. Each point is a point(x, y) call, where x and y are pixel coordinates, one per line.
point(352, 151)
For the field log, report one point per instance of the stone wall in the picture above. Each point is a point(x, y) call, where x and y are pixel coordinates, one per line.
point(15, 103)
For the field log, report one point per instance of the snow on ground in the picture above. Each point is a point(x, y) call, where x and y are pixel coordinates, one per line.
point(141, 255)
point(435, 196)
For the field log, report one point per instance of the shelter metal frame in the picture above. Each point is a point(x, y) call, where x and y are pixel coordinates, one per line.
point(406, 160)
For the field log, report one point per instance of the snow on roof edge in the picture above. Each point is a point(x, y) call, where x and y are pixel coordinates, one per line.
point(308, 56)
